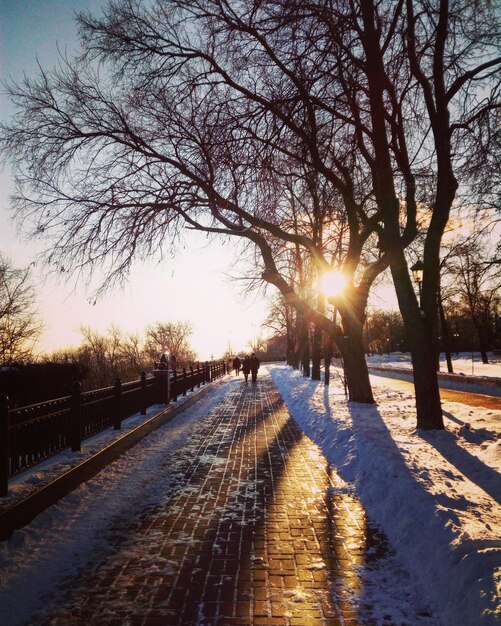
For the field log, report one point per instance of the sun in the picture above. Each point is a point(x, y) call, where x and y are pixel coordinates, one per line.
point(333, 283)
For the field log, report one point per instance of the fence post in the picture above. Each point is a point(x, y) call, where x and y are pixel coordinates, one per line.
point(198, 373)
point(191, 374)
point(174, 386)
point(117, 413)
point(185, 383)
point(4, 445)
point(144, 399)
point(76, 417)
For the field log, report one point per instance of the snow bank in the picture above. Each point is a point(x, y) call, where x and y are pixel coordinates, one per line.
point(436, 495)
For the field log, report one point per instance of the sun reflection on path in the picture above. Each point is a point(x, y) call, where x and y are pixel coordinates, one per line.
point(253, 528)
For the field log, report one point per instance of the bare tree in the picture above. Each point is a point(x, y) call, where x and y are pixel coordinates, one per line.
point(205, 109)
point(20, 325)
point(281, 322)
point(258, 345)
point(384, 332)
point(477, 287)
point(166, 155)
point(133, 356)
point(171, 337)
point(100, 353)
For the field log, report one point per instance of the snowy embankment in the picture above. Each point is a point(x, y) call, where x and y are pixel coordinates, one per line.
point(436, 495)
point(470, 374)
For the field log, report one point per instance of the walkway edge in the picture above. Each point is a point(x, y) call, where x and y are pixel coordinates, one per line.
point(464, 379)
point(23, 512)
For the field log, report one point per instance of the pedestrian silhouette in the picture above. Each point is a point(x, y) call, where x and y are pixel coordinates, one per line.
point(254, 366)
point(246, 367)
point(236, 365)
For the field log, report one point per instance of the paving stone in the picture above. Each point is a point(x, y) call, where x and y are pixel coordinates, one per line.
point(251, 532)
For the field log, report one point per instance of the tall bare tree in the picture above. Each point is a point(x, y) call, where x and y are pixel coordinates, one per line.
point(206, 105)
point(171, 149)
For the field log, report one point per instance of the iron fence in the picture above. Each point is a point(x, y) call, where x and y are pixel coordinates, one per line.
point(32, 434)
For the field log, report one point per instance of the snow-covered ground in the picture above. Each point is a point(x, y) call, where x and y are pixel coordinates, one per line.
point(39, 560)
point(436, 495)
point(466, 363)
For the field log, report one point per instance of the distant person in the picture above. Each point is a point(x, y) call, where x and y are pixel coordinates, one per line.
point(237, 363)
point(173, 362)
point(246, 367)
point(164, 362)
point(254, 366)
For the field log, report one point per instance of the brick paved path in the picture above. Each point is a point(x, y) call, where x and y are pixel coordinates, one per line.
point(251, 532)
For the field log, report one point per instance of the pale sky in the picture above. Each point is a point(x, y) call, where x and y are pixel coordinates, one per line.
point(191, 287)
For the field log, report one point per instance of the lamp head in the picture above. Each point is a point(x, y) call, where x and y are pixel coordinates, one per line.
point(417, 271)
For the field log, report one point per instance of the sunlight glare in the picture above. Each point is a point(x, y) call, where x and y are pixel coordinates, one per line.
point(333, 283)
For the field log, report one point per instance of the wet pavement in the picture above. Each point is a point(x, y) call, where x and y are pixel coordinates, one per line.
point(253, 529)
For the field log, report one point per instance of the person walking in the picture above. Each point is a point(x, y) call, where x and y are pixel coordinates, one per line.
point(246, 367)
point(236, 365)
point(254, 366)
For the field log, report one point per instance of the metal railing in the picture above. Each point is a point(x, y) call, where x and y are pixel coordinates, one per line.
point(32, 434)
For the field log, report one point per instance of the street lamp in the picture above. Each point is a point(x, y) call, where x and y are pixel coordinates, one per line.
point(417, 273)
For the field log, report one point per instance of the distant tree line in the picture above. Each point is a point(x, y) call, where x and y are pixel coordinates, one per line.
point(97, 362)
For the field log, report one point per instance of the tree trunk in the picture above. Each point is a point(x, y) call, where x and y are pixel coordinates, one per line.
point(328, 359)
point(426, 387)
point(290, 350)
point(316, 356)
point(421, 333)
point(303, 345)
point(483, 350)
point(355, 365)
point(482, 343)
point(305, 356)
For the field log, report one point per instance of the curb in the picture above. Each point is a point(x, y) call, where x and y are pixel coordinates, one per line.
point(455, 378)
point(493, 385)
point(23, 512)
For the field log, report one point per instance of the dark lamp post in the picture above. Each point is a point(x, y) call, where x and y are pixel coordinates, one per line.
point(417, 273)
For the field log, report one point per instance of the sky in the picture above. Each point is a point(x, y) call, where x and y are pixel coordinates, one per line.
point(190, 287)
point(434, 494)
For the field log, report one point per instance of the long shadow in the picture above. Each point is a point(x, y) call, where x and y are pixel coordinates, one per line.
point(376, 434)
point(121, 533)
point(207, 574)
point(392, 456)
point(221, 574)
point(453, 418)
point(487, 478)
point(232, 574)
